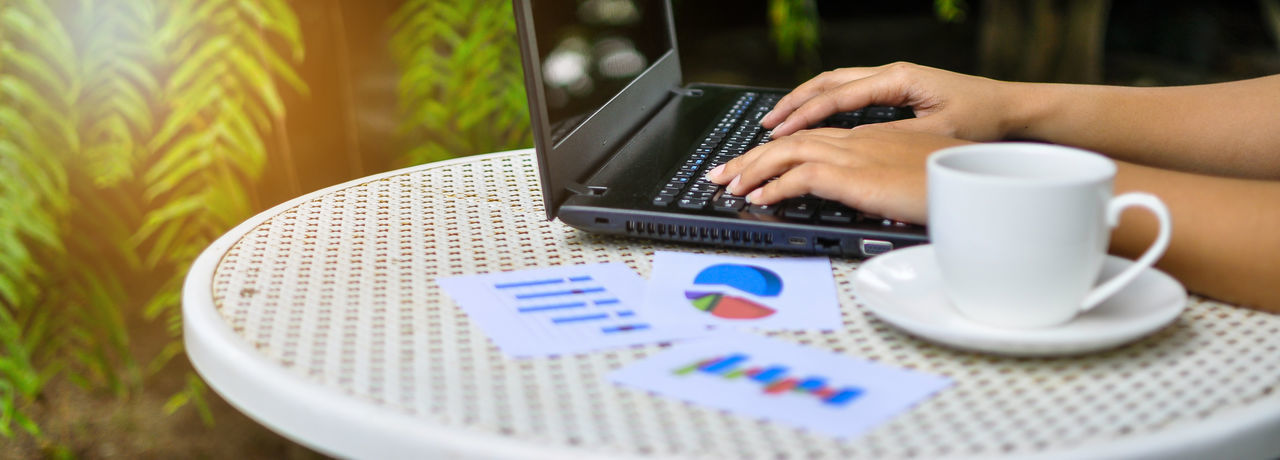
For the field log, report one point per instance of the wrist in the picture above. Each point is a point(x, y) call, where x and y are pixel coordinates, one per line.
point(1027, 108)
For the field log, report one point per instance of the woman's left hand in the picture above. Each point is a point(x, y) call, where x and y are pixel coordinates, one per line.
point(872, 168)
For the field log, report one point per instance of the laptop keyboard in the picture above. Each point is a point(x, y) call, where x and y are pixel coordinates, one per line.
point(737, 131)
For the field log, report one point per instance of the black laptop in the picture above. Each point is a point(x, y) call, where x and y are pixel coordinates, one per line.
point(623, 143)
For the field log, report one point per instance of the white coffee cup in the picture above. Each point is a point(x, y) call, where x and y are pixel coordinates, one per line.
point(1020, 230)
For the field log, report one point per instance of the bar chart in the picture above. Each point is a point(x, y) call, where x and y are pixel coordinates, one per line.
point(773, 378)
point(572, 300)
point(564, 309)
point(776, 380)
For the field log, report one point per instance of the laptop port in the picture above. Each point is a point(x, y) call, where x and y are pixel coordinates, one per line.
point(827, 245)
point(797, 241)
point(875, 247)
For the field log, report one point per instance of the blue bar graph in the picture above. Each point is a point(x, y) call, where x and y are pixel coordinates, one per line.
point(573, 319)
point(624, 328)
point(773, 378)
point(724, 365)
point(535, 295)
point(553, 299)
point(556, 306)
point(770, 374)
point(844, 396)
point(528, 283)
point(812, 384)
point(543, 282)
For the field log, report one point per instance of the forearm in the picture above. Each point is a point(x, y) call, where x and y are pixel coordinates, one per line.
point(1223, 129)
point(1226, 233)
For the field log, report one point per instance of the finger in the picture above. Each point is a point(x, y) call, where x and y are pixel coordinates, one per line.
point(895, 197)
point(884, 88)
point(812, 88)
point(782, 157)
point(729, 171)
point(804, 179)
point(830, 133)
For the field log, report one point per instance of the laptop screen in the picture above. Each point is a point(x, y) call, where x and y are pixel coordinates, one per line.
point(592, 49)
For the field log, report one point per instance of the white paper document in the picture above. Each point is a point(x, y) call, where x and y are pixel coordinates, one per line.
point(564, 310)
point(757, 293)
point(770, 379)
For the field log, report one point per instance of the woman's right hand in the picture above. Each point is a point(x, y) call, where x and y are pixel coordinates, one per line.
point(946, 103)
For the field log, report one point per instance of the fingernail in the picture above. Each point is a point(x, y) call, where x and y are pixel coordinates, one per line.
point(767, 115)
point(754, 196)
point(733, 185)
point(778, 128)
point(714, 173)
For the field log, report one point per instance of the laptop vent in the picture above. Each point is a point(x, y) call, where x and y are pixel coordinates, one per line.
point(696, 233)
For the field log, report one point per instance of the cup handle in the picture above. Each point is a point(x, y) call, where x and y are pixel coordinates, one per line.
point(1114, 207)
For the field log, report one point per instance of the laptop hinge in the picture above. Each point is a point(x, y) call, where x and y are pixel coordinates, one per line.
point(687, 92)
point(586, 190)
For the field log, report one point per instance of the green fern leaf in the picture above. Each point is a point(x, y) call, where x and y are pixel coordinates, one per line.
point(257, 78)
point(198, 63)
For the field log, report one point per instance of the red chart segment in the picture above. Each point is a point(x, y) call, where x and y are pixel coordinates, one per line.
point(727, 306)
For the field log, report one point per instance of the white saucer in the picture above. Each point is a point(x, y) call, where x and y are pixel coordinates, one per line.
point(904, 288)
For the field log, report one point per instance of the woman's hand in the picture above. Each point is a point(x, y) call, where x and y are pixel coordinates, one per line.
point(946, 103)
point(879, 169)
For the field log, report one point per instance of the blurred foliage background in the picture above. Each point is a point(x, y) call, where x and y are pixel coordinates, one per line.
point(461, 79)
point(134, 132)
point(128, 132)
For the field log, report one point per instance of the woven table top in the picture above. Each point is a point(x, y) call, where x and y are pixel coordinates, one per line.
point(335, 293)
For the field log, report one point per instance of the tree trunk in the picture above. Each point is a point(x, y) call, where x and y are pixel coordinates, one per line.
point(1043, 40)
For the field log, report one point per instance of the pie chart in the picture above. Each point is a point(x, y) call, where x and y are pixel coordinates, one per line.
point(751, 279)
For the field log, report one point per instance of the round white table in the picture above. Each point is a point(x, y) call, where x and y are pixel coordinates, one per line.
point(320, 319)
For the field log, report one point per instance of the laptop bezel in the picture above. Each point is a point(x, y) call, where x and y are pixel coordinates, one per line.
point(565, 165)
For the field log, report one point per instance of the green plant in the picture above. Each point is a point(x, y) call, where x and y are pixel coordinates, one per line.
point(37, 83)
point(221, 102)
point(794, 28)
point(950, 10)
point(130, 134)
point(461, 91)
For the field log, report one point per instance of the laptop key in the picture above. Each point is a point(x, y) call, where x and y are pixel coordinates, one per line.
point(765, 209)
point(801, 209)
point(882, 112)
point(692, 203)
point(730, 203)
point(836, 214)
point(663, 200)
point(872, 218)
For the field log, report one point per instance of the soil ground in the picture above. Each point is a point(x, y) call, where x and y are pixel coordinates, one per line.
point(100, 426)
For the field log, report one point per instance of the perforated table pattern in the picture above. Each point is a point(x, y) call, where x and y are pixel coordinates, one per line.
point(337, 289)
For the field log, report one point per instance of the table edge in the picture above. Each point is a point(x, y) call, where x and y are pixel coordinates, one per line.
point(220, 357)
